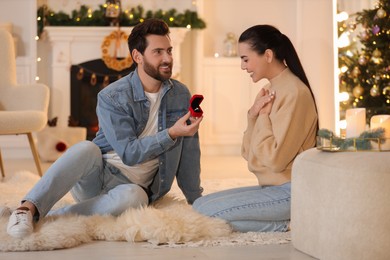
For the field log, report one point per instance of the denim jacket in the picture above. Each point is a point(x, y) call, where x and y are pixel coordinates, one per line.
point(123, 111)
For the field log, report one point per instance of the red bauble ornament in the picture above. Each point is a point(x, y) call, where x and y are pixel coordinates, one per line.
point(61, 146)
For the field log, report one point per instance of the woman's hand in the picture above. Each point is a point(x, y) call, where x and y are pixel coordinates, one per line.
point(263, 103)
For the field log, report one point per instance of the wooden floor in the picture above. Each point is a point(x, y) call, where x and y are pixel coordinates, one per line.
point(124, 250)
point(212, 167)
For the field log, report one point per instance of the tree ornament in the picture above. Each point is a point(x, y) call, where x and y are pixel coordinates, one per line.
point(356, 71)
point(381, 13)
point(374, 91)
point(343, 84)
point(376, 56)
point(357, 91)
point(362, 59)
point(386, 92)
point(351, 26)
point(376, 53)
point(376, 29)
point(364, 35)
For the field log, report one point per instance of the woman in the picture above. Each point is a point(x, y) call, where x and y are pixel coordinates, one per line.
point(282, 123)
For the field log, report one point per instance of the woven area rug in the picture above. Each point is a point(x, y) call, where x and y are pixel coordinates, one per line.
point(168, 223)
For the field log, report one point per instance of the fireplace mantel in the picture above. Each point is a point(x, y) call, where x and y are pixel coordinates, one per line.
point(74, 45)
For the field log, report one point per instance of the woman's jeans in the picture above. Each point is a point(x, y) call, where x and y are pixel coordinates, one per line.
point(97, 187)
point(257, 208)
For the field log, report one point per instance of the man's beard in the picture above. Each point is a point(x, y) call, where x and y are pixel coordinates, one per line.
point(155, 73)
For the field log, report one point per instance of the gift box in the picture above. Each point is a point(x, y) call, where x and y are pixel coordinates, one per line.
point(195, 109)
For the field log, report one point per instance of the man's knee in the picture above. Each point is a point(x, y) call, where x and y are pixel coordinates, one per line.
point(86, 147)
point(129, 196)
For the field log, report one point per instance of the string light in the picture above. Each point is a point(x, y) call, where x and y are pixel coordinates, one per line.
point(343, 40)
point(343, 124)
point(343, 69)
point(342, 16)
point(343, 96)
point(131, 17)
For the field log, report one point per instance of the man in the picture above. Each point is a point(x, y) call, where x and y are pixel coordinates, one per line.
point(146, 138)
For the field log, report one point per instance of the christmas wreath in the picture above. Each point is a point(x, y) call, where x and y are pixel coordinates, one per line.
point(114, 41)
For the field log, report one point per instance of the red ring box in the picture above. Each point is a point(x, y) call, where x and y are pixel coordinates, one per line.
point(195, 109)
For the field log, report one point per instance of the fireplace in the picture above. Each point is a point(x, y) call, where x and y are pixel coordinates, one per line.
point(87, 79)
point(74, 47)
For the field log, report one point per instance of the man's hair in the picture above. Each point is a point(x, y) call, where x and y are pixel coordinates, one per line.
point(137, 38)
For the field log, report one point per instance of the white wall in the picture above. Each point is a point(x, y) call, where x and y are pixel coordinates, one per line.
point(223, 16)
point(315, 45)
point(353, 6)
point(20, 13)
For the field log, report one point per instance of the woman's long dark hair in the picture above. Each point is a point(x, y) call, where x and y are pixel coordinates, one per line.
point(263, 37)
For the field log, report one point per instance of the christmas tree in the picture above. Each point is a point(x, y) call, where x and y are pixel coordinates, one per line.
point(365, 70)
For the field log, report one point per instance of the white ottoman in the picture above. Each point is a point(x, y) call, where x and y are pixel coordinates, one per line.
point(340, 207)
point(54, 141)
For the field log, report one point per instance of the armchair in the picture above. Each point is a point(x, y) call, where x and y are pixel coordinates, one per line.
point(23, 108)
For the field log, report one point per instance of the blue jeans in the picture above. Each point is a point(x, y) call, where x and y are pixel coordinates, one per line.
point(257, 208)
point(97, 187)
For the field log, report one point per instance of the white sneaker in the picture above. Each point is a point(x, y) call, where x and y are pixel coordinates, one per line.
point(20, 223)
point(5, 211)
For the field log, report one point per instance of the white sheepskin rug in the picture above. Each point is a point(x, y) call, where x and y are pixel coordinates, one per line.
point(170, 222)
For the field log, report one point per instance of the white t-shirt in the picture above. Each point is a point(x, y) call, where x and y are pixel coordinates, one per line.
point(141, 174)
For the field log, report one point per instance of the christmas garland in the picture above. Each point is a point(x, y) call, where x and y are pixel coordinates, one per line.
point(363, 142)
point(87, 17)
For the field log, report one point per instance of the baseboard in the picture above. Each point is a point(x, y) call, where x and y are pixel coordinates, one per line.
point(15, 146)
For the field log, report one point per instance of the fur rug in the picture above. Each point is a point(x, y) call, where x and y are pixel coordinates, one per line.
point(170, 222)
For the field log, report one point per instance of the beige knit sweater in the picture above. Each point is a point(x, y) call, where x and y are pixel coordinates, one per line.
point(271, 142)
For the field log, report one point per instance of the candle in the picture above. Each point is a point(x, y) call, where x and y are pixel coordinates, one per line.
point(356, 122)
point(382, 121)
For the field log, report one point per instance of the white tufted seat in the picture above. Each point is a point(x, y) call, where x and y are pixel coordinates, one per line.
point(340, 207)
